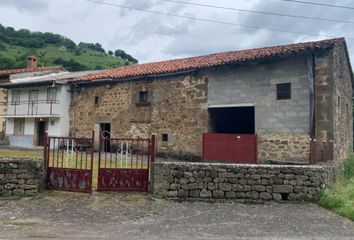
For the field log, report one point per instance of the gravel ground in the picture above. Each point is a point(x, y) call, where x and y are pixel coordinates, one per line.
point(63, 215)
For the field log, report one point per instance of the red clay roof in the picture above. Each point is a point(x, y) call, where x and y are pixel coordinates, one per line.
point(24, 70)
point(210, 60)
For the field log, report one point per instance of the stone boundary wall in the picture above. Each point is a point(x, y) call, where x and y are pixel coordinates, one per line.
point(240, 181)
point(20, 177)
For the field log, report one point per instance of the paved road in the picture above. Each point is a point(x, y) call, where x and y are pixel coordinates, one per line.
point(136, 216)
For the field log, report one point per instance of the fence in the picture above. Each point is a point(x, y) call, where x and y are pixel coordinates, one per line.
point(320, 151)
point(69, 163)
point(124, 163)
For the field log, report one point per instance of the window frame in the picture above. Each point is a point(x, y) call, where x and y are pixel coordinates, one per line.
point(143, 97)
point(19, 122)
point(164, 137)
point(18, 94)
point(280, 92)
point(50, 91)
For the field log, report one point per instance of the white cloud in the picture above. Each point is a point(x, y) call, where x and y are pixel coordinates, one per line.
point(151, 37)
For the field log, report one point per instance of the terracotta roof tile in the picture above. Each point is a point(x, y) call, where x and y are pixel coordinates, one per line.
point(24, 70)
point(210, 60)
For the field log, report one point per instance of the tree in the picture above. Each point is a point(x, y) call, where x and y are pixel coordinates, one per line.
point(110, 52)
point(121, 54)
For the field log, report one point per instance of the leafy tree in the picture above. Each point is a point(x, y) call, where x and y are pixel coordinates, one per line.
point(110, 52)
point(70, 65)
point(120, 53)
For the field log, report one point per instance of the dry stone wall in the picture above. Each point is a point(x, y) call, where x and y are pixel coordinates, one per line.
point(240, 181)
point(20, 177)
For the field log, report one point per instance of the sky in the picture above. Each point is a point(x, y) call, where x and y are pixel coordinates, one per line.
point(153, 37)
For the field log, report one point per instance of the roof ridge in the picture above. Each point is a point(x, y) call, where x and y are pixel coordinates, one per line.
point(214, 59)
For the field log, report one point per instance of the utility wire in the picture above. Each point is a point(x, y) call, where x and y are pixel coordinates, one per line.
point(214, 21)
point(319, 4)
point(258, 12)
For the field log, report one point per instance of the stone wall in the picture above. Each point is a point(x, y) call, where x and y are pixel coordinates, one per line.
point(240, 181)
point(20, 177)
point(174, 107)
point(333, 109)
point(343, 111)
point(279, 147)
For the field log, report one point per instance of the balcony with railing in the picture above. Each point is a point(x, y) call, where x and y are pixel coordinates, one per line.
point(38, 108)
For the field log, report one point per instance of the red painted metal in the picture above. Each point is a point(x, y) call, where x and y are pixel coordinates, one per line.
point(124, 163)
point(320, 151)
point(235, 148)
point(63, 171)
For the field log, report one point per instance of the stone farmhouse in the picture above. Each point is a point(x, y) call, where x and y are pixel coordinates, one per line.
point(280, 96)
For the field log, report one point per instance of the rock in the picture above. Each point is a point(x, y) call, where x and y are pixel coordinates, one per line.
point(230, 195)
point(205, 194)
point(218, 194)
point(182, 193)
point(259, 188)
point(282, 188)
point(172, 193)
point(265, 196)
point(252, 195)
point(190, 186)
point(194, 193)
point(277, 197)
point(225, 186)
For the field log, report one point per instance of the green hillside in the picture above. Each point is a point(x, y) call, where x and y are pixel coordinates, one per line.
point(54, 49)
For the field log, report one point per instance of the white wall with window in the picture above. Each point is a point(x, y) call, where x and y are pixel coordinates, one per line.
point(33, 110)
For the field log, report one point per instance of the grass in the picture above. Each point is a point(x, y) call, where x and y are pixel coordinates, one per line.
point(340, 196)
point(46, 56)
point(20, 153)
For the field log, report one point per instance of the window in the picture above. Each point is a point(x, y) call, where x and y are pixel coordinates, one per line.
point(19, 126)
point(16, 95)
point(283, 91)
point(97, 99)
point(164, 137)
point(51, 94)
point(143, 97)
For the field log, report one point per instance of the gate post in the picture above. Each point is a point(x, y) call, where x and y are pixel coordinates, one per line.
point(45, 158)
point(152, 158)
point(92, 158)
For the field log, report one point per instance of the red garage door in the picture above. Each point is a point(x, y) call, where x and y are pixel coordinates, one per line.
point(235, 148)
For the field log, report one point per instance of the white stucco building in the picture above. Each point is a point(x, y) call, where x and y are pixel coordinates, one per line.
point(36, 105)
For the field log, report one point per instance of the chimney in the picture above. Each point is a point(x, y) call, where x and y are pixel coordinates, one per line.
point(32, 61)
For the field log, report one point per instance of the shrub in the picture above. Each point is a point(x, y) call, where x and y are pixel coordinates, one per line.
point(349, 167)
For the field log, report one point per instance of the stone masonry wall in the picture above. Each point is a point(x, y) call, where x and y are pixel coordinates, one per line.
point(175, 107)
point(20, 177)
point(343, 111)
point(240, 181)
point(279, 147)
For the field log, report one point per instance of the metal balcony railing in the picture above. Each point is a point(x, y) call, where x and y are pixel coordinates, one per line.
point(30, 108)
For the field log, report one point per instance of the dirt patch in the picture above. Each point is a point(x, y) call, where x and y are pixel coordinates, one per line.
point(140, 216)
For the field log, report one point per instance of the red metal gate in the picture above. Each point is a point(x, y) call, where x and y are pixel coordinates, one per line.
point(124, 163)
point(69, 163)
point(235, 148)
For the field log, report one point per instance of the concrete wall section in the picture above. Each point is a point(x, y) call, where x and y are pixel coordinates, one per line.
point(256, 84)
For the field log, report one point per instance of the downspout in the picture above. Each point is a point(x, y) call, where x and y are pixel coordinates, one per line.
point(311, 77)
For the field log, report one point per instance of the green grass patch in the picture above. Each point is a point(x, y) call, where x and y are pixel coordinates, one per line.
point(340, 196)
point(20, 153)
